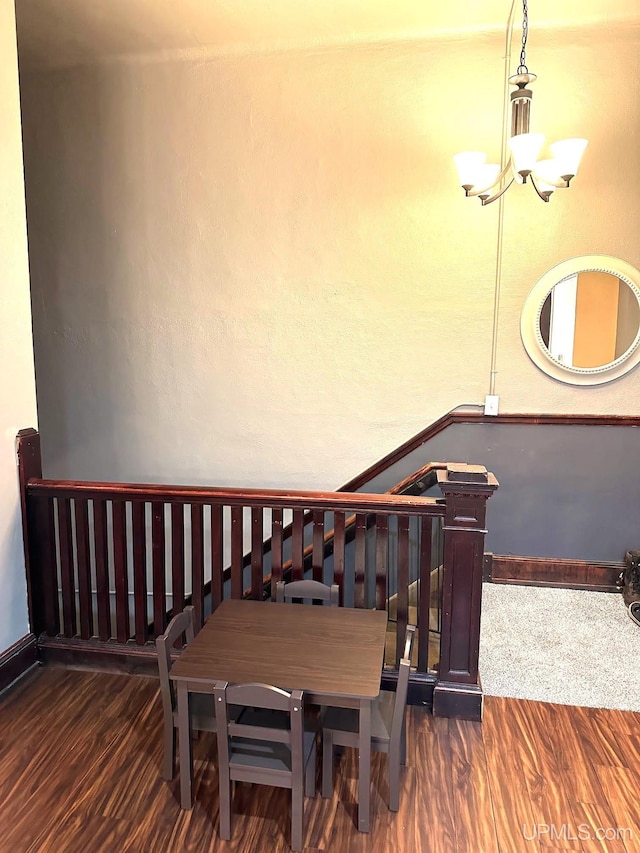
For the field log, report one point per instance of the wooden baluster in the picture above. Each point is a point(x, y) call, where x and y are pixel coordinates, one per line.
point(466, 489)
point(297, 540)
point(139, 534)
point(317, 556)
point(403, 584)
point(67, 579)
point(424, 606)
point(47, 549)
point(83, 566)
point(276, 549)
point(217, 590)
point(158, 567)
point(257, 543)
point(338, 552)
point(102, 569)
point(237, 546)
point(177, 559)
point(359, 560)
point(197, 563)
point(382, 555)
point(119, 516)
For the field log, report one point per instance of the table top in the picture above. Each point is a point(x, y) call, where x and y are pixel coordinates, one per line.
point(337, 651)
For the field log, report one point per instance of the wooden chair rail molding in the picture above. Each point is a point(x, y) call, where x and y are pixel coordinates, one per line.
point(88, 547)
point(475, 415)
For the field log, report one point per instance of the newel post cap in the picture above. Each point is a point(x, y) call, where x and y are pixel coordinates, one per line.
point(461, 478)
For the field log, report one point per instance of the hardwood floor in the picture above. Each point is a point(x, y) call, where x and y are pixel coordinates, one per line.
point(80, 757)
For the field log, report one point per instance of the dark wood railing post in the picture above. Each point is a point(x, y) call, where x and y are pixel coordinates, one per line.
point(466, 489)
point(30, 465)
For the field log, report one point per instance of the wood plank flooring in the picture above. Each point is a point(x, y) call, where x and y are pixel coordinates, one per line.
point(80, 756)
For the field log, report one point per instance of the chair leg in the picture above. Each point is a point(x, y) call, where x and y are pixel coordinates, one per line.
point(403, 746)
point(297, 806)
point(327, 765)
point(310, 775)
point(169, 759)
point(224, 797)
point(394, 781)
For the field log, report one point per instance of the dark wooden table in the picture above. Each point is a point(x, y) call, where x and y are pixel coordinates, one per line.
point(333, 654)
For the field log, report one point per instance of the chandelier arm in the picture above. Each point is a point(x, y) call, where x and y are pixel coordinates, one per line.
point(495, 197)
point(543, 196)
point(560, 184)
point(503, 174)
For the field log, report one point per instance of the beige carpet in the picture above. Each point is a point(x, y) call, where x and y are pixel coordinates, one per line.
point(557, 645)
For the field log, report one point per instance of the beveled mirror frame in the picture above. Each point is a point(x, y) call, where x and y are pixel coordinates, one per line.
point(530, 321)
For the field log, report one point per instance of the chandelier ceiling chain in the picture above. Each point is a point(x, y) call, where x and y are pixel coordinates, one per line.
point(489, 181)
point(522, 68)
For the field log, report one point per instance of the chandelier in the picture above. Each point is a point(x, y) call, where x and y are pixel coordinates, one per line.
point(489, 181)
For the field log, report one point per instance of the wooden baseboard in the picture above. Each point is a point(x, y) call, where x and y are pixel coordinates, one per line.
point(17, 660)
point(87, 654)
point(420, 690)
point(543, 571)
point(458, 701)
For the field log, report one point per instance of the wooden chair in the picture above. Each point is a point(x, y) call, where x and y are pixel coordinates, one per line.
point(388, 729)
point(202, 706)
point(314, 591)
point(268, 745)
point(308, 589)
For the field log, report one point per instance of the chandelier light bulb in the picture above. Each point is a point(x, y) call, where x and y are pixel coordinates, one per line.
point(469, 164)
point(525, 148)
point(546, 175)
point(568, 153)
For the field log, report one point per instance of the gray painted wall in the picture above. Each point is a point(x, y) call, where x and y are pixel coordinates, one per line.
point(567, 492)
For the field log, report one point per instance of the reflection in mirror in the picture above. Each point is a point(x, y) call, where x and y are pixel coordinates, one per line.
point(580, 323)
point(589, 319)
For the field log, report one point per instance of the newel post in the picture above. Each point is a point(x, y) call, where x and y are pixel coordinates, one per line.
point(466, 488)
point(29, 465)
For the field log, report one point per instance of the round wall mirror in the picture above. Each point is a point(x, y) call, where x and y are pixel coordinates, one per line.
point(581, 322)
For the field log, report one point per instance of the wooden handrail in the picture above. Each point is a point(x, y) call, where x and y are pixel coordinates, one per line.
point(275, 498)
point(426, 477)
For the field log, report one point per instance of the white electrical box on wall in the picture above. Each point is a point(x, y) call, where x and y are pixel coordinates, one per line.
point(491, 404)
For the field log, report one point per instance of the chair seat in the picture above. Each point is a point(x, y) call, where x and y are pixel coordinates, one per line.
point(343, 722)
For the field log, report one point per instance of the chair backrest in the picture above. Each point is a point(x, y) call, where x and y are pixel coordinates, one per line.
point(402, 687)
point(260, 696)
point(180, 626)
point(314, 590)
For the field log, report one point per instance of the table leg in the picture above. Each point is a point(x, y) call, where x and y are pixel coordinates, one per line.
point(364, 765)
point(184, 737)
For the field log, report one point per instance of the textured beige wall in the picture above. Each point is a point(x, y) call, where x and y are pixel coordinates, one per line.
point(260, 270)
point(17, 391)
